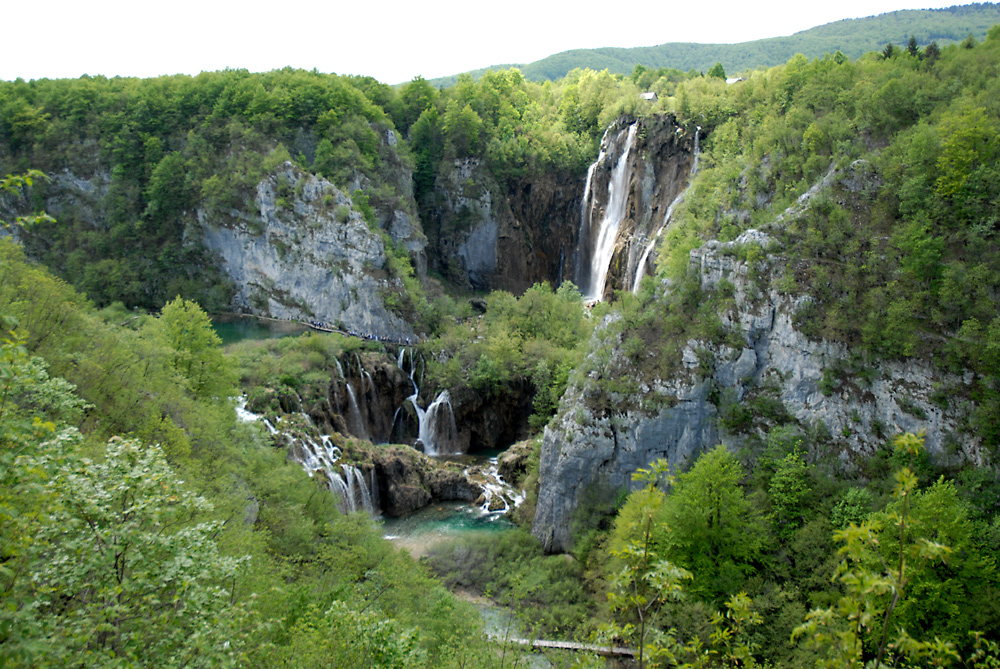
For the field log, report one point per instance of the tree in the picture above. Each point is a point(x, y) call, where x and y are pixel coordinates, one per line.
point(463, 128)
point(713, 526)
point(788, 491)
point(873, 589)
point(417, 96)
point(31, 405)
point(645, 582)
point(717, 71)
point(197, 349)
point(127, 570)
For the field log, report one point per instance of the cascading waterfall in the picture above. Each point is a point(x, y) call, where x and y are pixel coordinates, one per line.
point(356, 422)
point(345, 480)
point(498, 495)
point(607, 231)
point(582, 275)
point(436, 429)
point(640, 270)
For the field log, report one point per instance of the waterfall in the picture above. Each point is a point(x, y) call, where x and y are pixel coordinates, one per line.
point(345, 480)
point(640, 270)
point(582, 275)
point(356, 422)
point(357, 489)
point(607, 229)
point(436, 429)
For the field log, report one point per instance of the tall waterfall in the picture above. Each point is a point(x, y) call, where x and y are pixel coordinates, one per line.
point(436, 430)
point(592, 267)
point(640, 270)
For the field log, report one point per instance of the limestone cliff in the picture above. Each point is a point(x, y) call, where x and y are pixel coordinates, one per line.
point(303, 251)
point(485, 236)
point(763, 370)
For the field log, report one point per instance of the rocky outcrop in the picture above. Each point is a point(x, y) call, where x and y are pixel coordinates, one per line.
point(409, 480)
point(512, 464)
point(849, 408)
point(304, 252)
point(484, 236)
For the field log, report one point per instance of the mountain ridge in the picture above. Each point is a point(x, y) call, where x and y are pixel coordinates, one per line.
point(853, 37)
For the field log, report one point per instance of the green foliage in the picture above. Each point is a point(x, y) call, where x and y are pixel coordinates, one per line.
point(547, 592)
point(197, 349)
point(128, 571)
point(879, 592)
point(645, 582)
point(340, 636)
point(714, 528)
point(788, 492)
point(535, 339)
point(14, 185)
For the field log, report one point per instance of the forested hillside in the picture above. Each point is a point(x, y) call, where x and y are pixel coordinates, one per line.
point(852, 37)
point(766, 434)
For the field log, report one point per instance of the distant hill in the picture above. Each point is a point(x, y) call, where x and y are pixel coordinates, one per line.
point(853, 37)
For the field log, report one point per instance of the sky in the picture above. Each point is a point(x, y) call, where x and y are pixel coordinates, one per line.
point(390, 40)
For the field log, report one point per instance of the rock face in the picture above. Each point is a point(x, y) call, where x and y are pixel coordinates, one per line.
point(817, 385)
point(488, 237)
point(304, 252)
point(409, 480)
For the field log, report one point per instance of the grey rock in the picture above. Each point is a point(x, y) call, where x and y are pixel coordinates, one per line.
point(580, 450)
point(309, 256)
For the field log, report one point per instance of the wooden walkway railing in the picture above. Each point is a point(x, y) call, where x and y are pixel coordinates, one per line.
point(606, 651)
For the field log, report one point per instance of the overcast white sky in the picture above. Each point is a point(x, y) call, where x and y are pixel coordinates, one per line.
point(390, 40)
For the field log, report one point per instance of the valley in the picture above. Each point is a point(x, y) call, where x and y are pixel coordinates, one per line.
point(711, 374)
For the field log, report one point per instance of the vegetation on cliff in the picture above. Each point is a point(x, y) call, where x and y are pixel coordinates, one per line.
point(215, 547)
point(192, 542)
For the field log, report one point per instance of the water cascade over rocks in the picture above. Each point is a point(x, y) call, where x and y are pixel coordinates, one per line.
point(499, 497)
point(343, 479)
point(437, 432)
point(640, 270)
point(596, 247)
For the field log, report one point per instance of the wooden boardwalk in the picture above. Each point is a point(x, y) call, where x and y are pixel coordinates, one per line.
point(606, 651)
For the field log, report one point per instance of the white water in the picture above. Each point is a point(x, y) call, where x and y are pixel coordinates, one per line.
point(436, 428)
point(640, 271)
point(585, 215)
point(438, 431)
point(345, 480)
point(494, 487)
point(356, 423)
point(604, 248)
